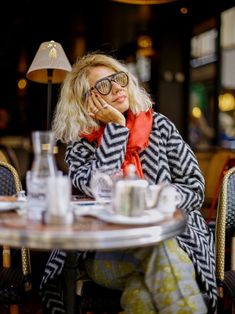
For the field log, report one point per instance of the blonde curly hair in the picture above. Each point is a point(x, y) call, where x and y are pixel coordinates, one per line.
point(71, 117)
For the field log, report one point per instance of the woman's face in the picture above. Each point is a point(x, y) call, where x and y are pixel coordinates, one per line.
point(118, 95)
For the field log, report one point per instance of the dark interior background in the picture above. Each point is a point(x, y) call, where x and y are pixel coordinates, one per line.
point(82, 26)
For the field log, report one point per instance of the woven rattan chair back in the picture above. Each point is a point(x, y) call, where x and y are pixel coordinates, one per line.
point(10, 182)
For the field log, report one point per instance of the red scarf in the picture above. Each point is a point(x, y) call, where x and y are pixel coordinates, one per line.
point(140, 127)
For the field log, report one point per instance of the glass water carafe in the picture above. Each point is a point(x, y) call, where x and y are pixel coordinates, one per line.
point(44, 166)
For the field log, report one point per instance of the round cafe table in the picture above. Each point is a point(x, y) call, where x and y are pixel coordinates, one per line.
point(87, 233)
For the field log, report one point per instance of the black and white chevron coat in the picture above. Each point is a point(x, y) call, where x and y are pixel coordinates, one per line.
point(167, 158)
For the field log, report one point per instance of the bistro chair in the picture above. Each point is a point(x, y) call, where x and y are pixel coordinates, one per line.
point(10, 157)
point(225, 243)
point(213, 167)
point(14, 281)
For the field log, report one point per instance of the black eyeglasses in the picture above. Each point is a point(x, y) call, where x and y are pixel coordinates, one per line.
point(104, 85)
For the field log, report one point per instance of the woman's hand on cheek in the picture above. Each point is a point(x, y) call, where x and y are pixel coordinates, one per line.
point(101, 110)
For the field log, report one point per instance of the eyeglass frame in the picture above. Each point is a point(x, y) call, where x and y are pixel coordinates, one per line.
point(110, 79)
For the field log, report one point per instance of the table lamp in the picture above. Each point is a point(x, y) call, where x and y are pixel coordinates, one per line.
point(50, 65)
point(144, 2)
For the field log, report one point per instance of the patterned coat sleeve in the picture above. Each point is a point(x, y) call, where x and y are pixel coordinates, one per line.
point(83, 156)
point(183, 166)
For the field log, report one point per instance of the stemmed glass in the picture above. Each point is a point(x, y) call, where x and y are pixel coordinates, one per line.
point(102, 182)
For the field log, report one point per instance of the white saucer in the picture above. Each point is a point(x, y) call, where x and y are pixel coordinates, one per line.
point(87, 209)
point(149, 217)
point(88, 202)
point(5, 206)
point(82, 203)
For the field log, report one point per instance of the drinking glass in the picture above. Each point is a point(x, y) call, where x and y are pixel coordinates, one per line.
point(102, 181)
point(36, 188)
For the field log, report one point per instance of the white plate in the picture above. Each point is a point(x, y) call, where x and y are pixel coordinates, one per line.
point(87, 208)
point(105, 214)
point(82, 203)
point(4, 206)
point(87, 203)
point(149, 217)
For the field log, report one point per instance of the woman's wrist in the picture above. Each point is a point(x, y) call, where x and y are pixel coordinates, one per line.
point(122, 122)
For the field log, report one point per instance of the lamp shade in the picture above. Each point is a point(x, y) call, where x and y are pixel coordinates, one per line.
point(50, 55)
point(144, 2)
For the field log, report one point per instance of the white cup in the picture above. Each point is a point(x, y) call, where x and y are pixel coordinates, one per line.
point(58, 197)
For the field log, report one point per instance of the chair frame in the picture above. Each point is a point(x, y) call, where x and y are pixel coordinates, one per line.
point(224, 219)
point(25, 255)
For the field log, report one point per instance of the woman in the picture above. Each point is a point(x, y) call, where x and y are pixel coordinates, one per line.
point(106, 119)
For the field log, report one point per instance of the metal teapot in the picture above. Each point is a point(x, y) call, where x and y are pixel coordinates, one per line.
point(131, 196)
